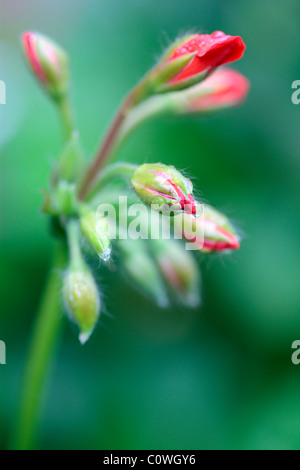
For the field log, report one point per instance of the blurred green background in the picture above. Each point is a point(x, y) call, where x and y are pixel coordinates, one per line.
point(218, 377)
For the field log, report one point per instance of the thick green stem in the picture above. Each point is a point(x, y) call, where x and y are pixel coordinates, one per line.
point(44, 339)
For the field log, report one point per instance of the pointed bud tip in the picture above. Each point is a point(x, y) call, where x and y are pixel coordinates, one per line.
point(234, 243)
point(229, 242)
point(29, 40)
point(84, 337)
point(106, 255)
point(95, 231)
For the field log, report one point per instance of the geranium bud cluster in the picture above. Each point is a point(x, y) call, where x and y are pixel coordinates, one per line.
point(190, 78)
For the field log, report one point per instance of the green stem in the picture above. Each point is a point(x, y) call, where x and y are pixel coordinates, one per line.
point(139, 92)
point(173, 103)
point(76, 260)
point(122, 171)
point(106, 147)
point(67, 117)
point(161, 105)
point(42, 347)
point(126, 121)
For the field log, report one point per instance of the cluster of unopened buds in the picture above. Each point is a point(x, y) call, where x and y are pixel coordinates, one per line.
point(188, 79)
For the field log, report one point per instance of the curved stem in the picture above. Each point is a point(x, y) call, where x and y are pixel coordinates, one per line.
point(42, 347)
point(107, 145)
point(161, 105)
point(122, 171)
point(140, 93)
point(126, 121)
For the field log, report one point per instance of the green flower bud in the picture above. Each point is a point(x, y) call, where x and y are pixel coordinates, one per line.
point(164, 186)
point(71, 160)
point(61, 201)
point(142, 270)
point(82, 300)
point(96, 232)
point(80, 292)
point(179, 270)
point(65, 198)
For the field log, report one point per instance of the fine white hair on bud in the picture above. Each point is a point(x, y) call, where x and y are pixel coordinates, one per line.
point(95, 231)
point(82, 300)
point(80, 291)
point(163, 185)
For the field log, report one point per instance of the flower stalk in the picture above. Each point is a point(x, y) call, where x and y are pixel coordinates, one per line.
point(43, 343)
point(67, 117)
point(106, 148)
point(116, 171)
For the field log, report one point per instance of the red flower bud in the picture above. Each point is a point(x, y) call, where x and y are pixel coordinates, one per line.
point(216, 232)
point(188, 61)
point(48, 62)
point(218, 239)
point(211, 51)
point(224, 88)
point(162, 185)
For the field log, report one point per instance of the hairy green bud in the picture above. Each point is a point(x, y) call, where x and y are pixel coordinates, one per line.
point(82, 300)
point(142, 270)
point(163, 186)
point(179, 270)
point(96, 232)
point(80, 291)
